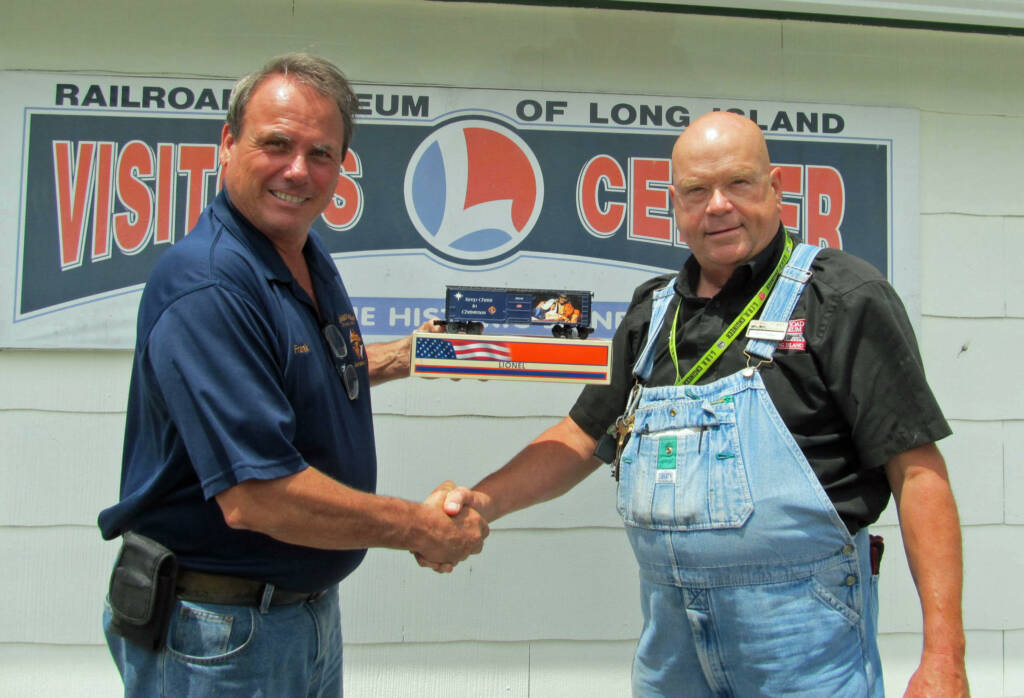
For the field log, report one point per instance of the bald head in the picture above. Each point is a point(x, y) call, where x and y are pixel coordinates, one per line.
point(722, 131)
point(725, 194)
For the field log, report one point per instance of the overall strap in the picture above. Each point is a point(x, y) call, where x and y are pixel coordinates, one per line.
point(659, 308)
point(784, 297)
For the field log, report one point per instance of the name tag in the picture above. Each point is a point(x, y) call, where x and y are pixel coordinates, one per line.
point(771, 331)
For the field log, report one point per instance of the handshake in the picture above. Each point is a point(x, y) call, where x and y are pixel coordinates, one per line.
point(455, 526)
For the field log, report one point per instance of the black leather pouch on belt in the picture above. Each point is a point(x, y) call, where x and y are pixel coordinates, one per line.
point(142, 588)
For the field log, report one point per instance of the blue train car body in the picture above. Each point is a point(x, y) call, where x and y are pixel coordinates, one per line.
point(469, 308)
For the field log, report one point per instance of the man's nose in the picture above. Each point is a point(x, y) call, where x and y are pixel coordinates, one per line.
point(297, 168)
point(719, 202)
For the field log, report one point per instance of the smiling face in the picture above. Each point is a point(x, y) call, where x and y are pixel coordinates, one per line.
point(725, 194)
point(282, 169)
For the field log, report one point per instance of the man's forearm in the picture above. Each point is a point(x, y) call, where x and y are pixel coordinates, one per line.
point(930, 528)
point(389, 360)
point(551, 465)
point(931, 535)
point(313, 510)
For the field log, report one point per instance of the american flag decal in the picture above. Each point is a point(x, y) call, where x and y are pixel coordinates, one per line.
point(431, 348)
point(511, 358)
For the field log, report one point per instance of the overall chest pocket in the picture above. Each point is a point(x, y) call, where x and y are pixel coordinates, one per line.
point(682, 469)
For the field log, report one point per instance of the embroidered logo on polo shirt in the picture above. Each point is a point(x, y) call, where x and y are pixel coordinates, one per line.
point(795, 339)
point(300, 348)
point(357, 344)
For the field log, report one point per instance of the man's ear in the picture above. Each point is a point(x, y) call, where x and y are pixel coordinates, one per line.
point(227, 141)
point(775, 176)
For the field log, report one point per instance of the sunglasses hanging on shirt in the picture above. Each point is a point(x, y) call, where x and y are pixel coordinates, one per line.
point(339, 353)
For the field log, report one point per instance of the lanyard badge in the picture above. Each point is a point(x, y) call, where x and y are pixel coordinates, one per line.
point(623, 426)
point(733, 330)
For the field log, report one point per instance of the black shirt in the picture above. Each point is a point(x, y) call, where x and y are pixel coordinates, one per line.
point(851, 390)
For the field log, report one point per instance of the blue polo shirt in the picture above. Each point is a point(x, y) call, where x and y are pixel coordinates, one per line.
point(233, 380)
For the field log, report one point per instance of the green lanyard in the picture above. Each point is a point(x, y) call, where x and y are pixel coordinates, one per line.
point(732, 331)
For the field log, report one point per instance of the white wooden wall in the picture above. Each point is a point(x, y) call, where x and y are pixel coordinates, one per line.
point(550, 608)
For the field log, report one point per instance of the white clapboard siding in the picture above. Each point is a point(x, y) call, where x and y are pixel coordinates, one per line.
point(991, 567)
point(65, 381)
point(526, 585)
point(416, 454)
point(54, 584)
point(973, 367)
point(1013, 650)
point(58, 671)
point(1013, 449)
point(974, 458)
point(940, 71)
point(968, 164)
point(984, 247)
point(437, 397)
point(545, 669)
point(449, 670)
point(1014, 273)
point(58, 467)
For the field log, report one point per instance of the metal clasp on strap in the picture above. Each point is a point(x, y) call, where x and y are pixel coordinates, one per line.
point(634, 398)
point(749, 370)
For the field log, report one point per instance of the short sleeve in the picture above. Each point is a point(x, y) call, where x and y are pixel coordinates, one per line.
point(214, 363)
point(874, 372)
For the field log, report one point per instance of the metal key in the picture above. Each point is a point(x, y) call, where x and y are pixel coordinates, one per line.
point(623, 427)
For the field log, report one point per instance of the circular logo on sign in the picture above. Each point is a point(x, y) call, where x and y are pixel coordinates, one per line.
point(473, 190)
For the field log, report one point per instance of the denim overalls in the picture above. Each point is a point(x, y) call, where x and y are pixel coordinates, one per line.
point(751, 584)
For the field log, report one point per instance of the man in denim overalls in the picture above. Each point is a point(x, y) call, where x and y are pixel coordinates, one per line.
point(747, 479)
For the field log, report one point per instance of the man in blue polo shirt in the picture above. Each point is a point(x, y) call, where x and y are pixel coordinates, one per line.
point(249, 449)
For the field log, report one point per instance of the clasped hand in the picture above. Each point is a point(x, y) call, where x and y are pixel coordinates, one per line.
point(457, 505)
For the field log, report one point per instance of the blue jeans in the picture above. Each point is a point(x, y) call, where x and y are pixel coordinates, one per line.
point(221, 650)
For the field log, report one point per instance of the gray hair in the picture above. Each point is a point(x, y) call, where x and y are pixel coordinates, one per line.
point(312, 71)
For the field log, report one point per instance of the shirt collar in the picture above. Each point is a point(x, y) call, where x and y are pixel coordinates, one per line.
point(240, 227)
point(746, 277)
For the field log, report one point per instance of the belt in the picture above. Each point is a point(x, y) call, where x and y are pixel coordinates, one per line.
point(205, 587)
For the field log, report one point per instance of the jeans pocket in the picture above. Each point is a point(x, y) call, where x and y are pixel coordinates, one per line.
point(685, 472)
point(210, 634)
point(838, 588)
